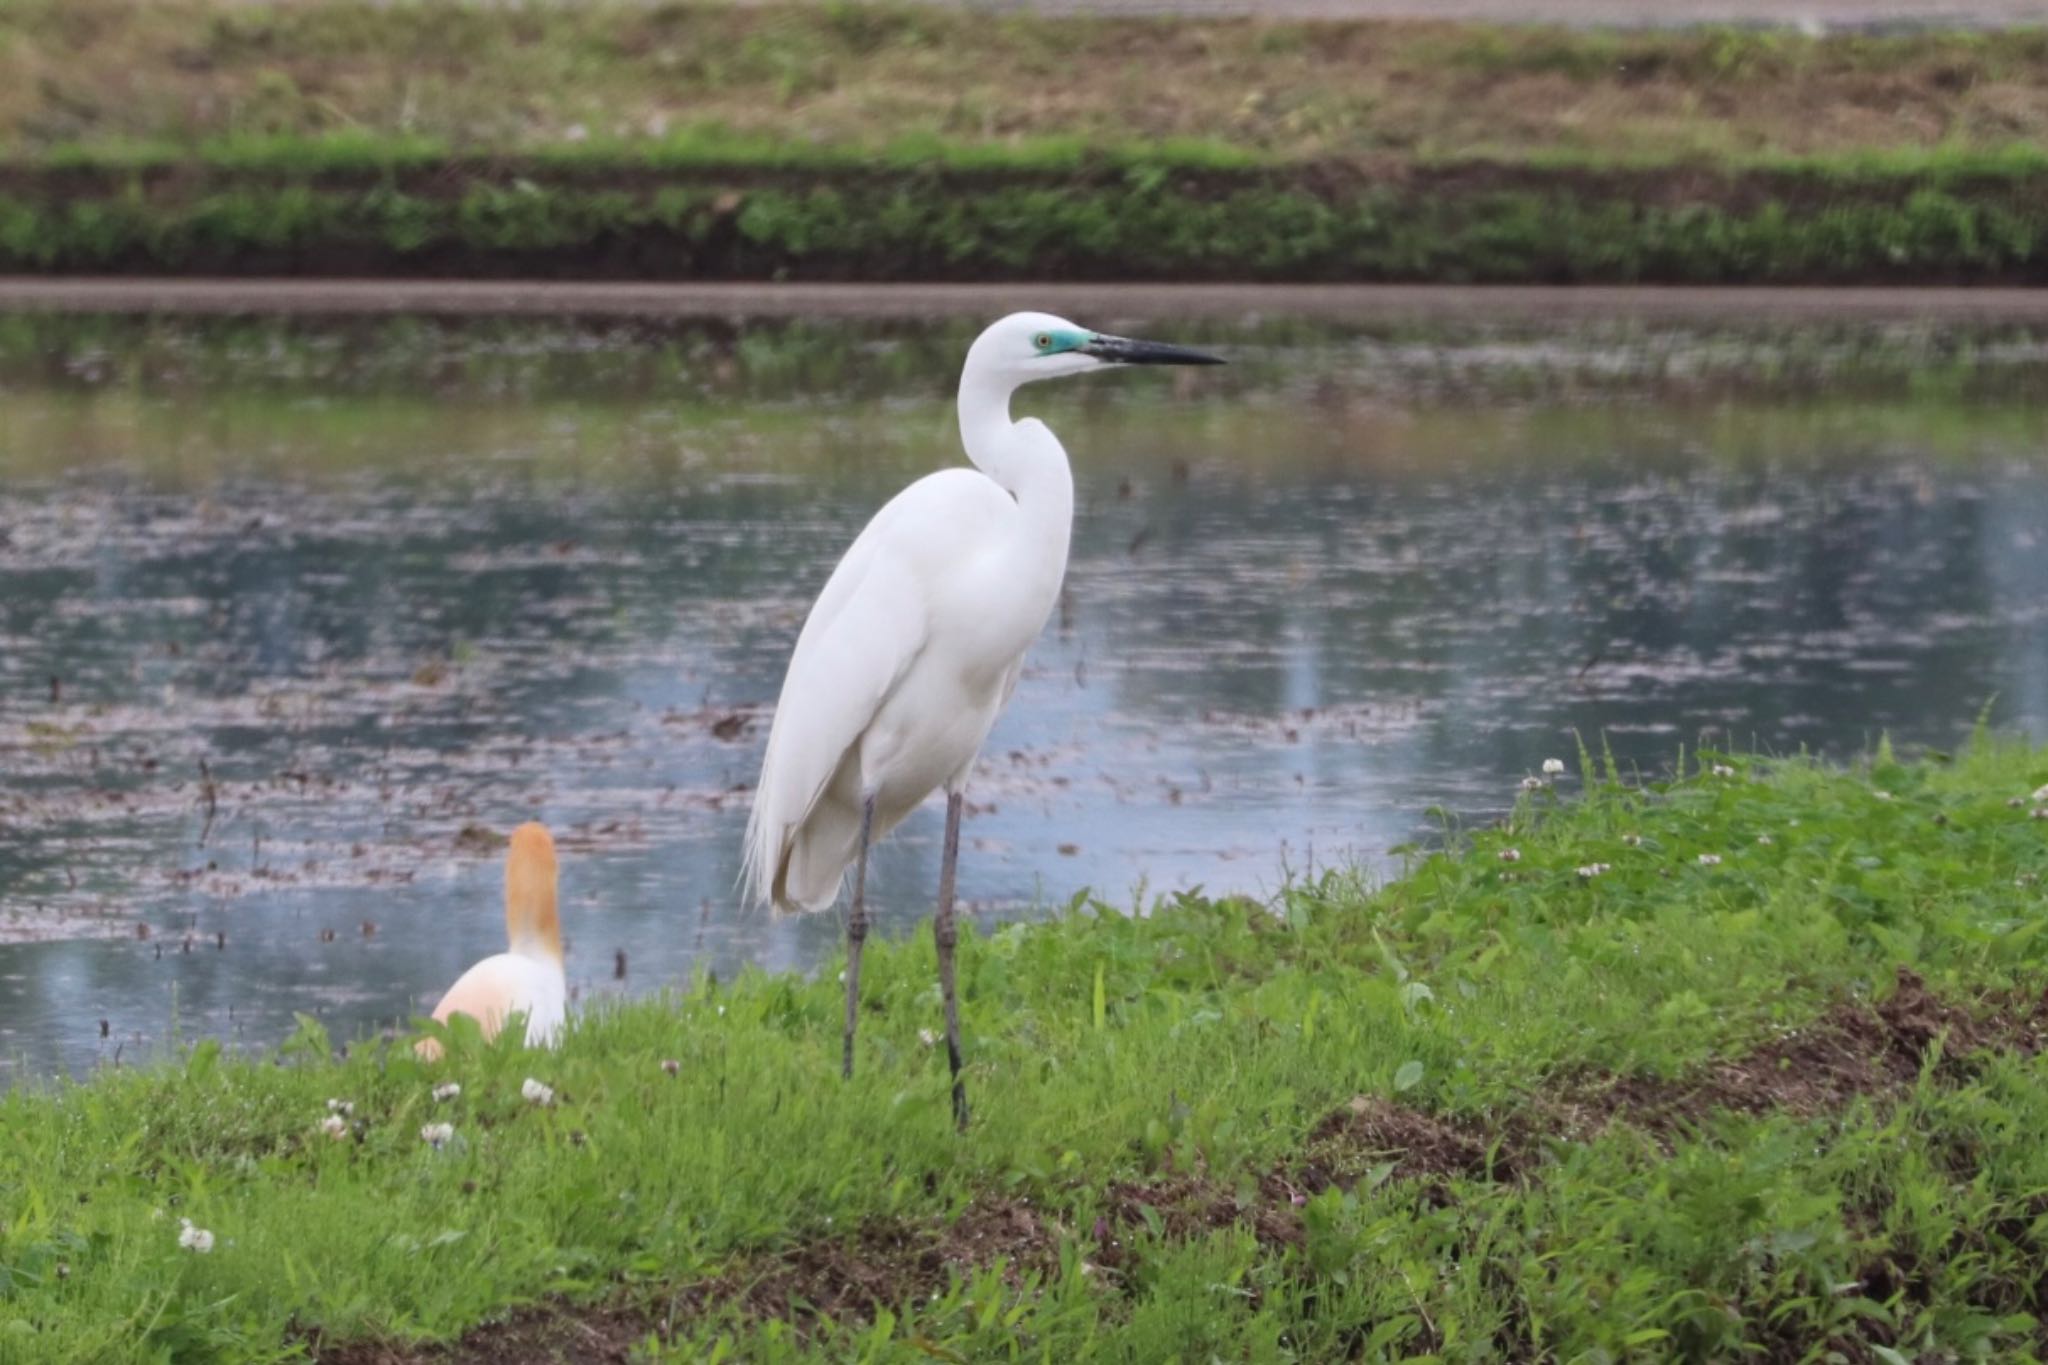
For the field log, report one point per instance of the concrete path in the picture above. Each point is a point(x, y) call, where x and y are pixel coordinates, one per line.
point(1812, 15)
point(1360, 303)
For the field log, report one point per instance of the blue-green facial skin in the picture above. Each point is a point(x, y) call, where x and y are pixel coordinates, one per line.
point(1061, 339)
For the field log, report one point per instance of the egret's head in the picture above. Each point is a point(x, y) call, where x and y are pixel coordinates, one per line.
point(1027, 346)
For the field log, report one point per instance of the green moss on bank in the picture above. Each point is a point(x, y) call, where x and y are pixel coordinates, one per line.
point(1051, 211)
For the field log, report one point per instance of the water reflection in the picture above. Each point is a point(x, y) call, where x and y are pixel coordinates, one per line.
point(280, 644)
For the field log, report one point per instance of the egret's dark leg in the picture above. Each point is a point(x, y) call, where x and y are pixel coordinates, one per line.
point(857, 933)
point(945, 935)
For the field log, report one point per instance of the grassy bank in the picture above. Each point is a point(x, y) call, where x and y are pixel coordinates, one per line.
point(881, 143)
point(1747, 1061)
point(676, 214)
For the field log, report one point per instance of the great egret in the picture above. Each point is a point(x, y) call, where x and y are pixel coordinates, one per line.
point(916, 642)
point(529, 978)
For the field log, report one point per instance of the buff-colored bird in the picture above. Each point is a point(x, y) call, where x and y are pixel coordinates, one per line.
point(528, 979)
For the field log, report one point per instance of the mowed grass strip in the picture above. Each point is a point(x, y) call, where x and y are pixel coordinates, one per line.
point(1741, 1062)
point(478, 78)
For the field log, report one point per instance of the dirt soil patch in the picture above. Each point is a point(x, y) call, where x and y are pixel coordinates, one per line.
point(1853, 1050)
point(1184, 1207)
point(592, 1334)
point(1369, 1133)
point(885, 1264)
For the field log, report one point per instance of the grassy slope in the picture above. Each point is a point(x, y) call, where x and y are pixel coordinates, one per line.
point(478, 78)
point(877, 142)
point(1182, 1064)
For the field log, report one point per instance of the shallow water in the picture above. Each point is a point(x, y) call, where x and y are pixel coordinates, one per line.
point(293, 618)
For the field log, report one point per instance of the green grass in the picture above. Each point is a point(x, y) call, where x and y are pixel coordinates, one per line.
point(1200, 1045)
point(881, 143)
point(717, 208)
point(95, 72)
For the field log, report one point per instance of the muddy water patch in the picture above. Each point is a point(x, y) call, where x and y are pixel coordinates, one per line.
point(284, 650)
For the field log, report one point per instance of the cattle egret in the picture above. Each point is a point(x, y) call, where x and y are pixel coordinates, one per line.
point(528, 979)
point(916, 642)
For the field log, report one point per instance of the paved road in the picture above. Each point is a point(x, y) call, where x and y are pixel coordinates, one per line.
point(1816, 15)
point(1809, 14)
point(454, 298)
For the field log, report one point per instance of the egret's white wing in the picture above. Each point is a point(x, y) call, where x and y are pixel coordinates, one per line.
point(864, 633)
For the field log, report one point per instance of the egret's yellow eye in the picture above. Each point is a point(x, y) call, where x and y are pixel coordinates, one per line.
point(1044, 341)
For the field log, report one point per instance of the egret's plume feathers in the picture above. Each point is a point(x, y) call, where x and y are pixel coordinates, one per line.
point(532, 921)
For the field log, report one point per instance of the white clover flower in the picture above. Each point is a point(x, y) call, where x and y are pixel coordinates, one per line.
point(1723, 770)
point(671, 1066)
point(2041, 793)
point(1632, 840)
point(1882, 795)
point(436, 1135)
point(341, 1107)
point(2016, 803)
point(1765, 840)
point(2041, 812)
point(446, 1091)
point(1532, 784)
point(1553, 767)
point(927, 1037)
point(1592, 870)
point(536, 1093)
point(335, 1126)
point(1710, 860)
point(1511, 855)
point(198, 1241)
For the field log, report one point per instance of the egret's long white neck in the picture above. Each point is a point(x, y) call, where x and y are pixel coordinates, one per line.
point(1034, 472)
point(985, 423)
point(1021, 467)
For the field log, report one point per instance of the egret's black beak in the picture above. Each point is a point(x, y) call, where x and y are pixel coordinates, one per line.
point(1125, 351)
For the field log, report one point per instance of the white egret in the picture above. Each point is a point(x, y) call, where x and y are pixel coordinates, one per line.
point(529, 979)
point(916, 642)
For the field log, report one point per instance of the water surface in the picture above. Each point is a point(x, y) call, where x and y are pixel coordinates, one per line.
point(295, 620)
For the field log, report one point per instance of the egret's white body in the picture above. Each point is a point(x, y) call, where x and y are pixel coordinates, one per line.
point(906, 660)
point(529, 979)
point(916, 642)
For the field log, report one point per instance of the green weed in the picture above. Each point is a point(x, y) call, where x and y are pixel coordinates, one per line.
point(698, 208)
